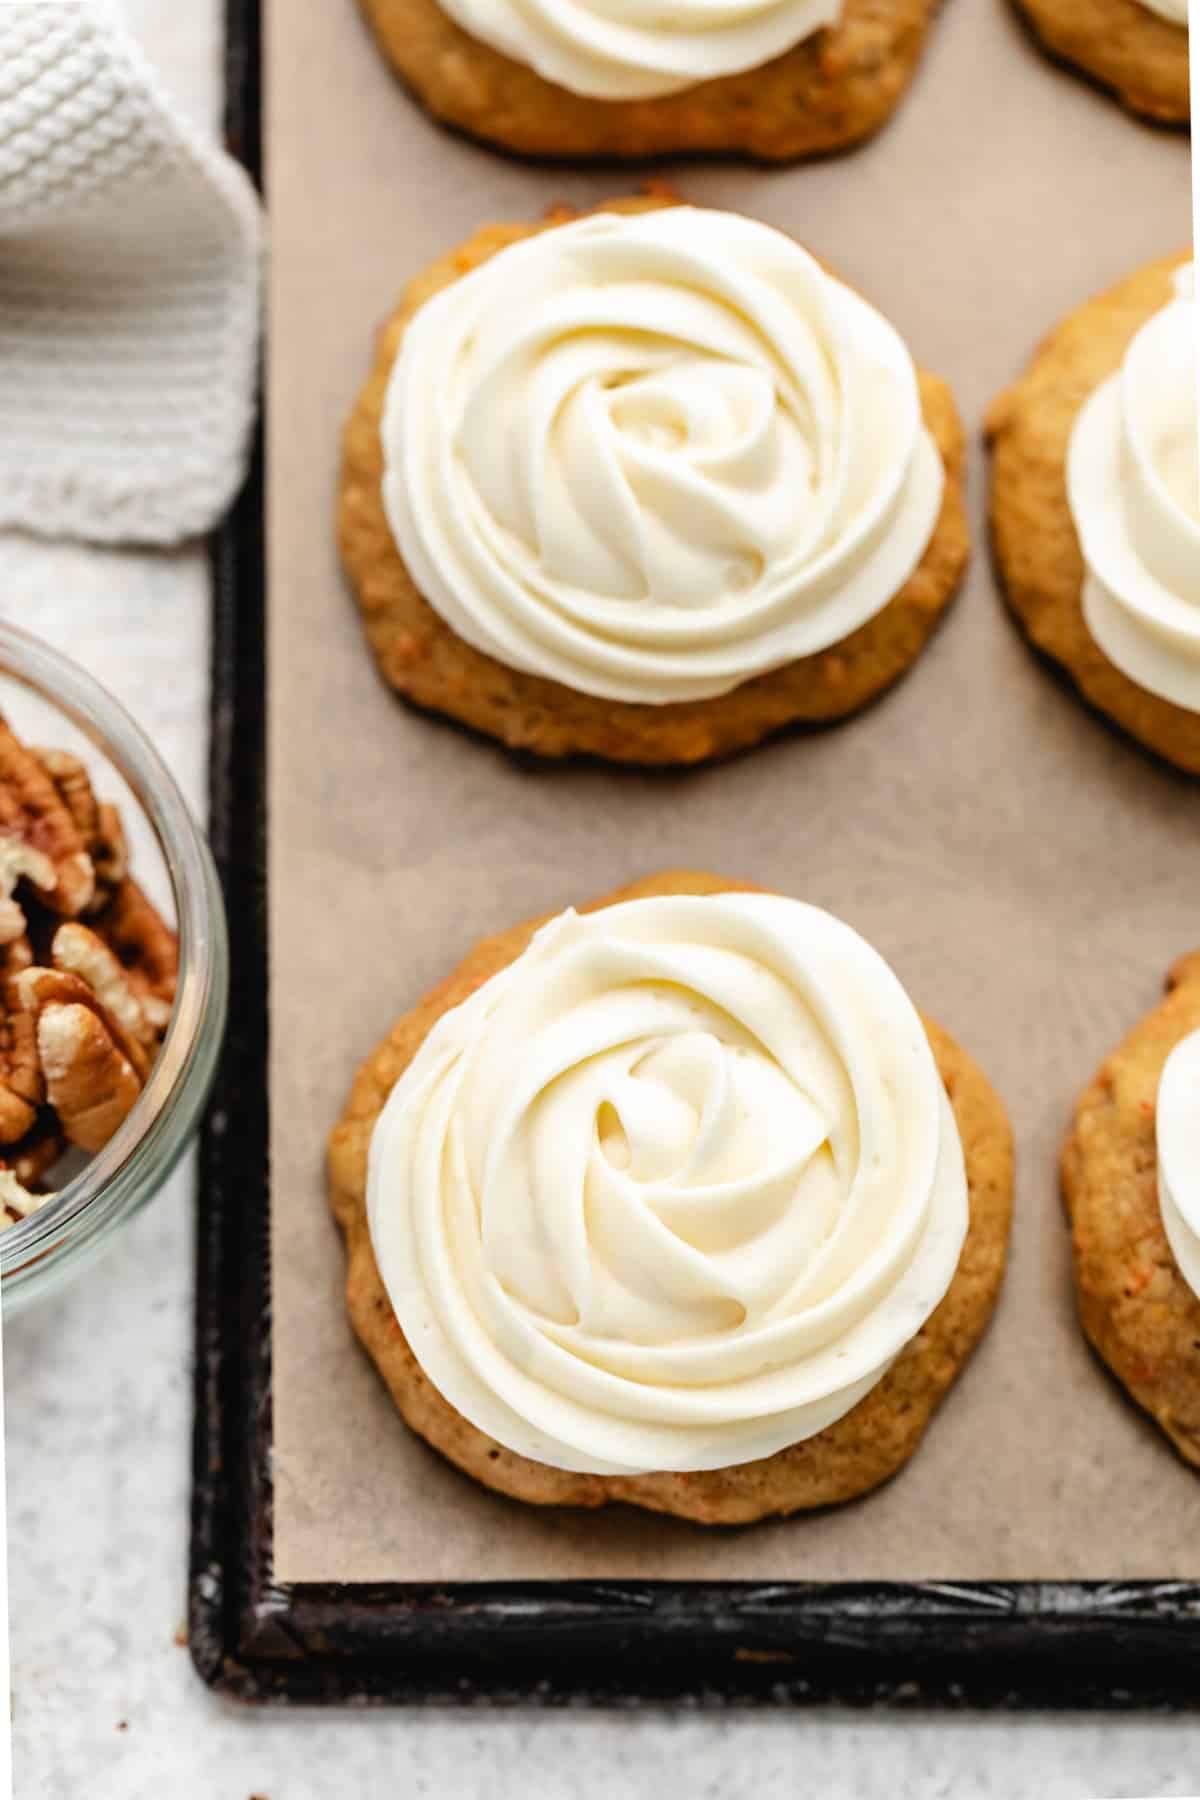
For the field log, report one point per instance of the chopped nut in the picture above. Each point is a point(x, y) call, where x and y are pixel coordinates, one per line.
point(32, 1159)
point(74, 787)
point(15, 956)
point(21, 1087)
point(98, 823)
point(147, 947)
point(39, 841)
point(19, 861)
point(109, 851)
point(77, 950)
point(34, 989)
point(16, 1201)
point(23, 1167)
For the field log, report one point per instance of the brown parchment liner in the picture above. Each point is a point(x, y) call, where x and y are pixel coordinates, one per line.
point(1028, 874)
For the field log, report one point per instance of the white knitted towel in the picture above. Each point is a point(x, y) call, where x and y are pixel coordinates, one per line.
point(130, 254)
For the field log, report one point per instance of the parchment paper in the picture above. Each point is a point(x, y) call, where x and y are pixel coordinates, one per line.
point(1028, 874)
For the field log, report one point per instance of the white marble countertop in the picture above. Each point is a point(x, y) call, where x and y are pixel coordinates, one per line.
point(98, 1398)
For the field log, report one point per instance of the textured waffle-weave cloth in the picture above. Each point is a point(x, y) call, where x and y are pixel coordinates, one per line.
point(130, 255)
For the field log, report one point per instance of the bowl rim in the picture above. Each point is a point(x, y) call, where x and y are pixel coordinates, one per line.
point(138, 1156)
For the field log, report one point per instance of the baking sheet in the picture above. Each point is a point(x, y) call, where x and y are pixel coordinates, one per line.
point(1028, 874)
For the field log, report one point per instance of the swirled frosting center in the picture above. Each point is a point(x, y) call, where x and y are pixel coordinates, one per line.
point(652, 455)
point(673, 1189)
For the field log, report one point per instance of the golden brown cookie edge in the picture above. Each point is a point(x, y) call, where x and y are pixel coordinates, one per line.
point(1123, 46)
point(1135, 1307)
point(833, 90)
point(1034, 542)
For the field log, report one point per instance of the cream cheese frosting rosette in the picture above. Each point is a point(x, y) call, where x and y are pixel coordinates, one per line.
point(612, 50)
point(1177, 1129)
point(653, 455)
point(1134, 492)
point(672, 1190)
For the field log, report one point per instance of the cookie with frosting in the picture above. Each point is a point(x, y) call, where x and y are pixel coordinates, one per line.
point(1131, 1178)
point(675, 1200)
point(1095, 506)
point(774, 79)
point(1139, 48)
point(648, 484)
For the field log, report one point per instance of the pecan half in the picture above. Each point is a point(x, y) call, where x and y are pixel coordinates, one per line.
point(97, 822)
point(14, 957)
point(22, 1089)
point(77, 950)
point(92, 1067)
point(91, 1085)
point(40, 842)
point(147, 948)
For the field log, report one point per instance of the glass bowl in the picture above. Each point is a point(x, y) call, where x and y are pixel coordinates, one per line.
point(50, 701)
